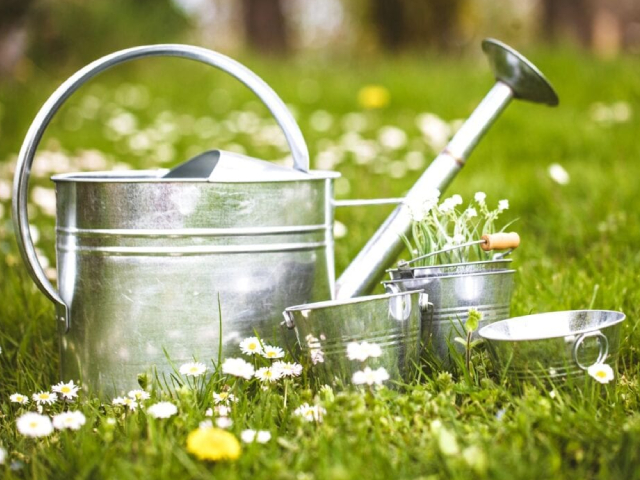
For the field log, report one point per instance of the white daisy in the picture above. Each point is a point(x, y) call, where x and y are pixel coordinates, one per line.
point(362, 351)
point(310, 413)
point(238, 368)
point(268, 374)
point(271, 352)
point(19, 398)
point(193, 369)
point(317, 356)
point(68, 391)
point(370, 377)
point(222, 410)
point(34, 425)
point(558, 174)
point(70, 420)
point(224, 397)
point(287, 369)
point(117, 401)
point(456, 199)
point(162, 410)
point(251, 346)
point(250, 436)
point(130, 403)
point(503, 205)
point(601, 372)
point(205, 424)
point(471, 212)
point(139, 395)
point(45, 397)
point(208, 412)
point(224, 422)
point(480, 197)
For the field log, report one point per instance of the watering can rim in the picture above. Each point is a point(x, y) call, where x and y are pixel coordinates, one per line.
point(448, 265)
point(155, 176)
point(348, 301)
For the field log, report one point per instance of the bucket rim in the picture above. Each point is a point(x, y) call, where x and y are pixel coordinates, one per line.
point(156, 176)
point(485, 332)
point(474, 274)
point(448, 265)
point(349, 301)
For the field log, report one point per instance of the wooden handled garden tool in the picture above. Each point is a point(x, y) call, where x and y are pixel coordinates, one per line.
point(516, 77)
point(493, 241)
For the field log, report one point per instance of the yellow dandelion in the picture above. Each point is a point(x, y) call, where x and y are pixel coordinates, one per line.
point(373, 96)
point(213, 444)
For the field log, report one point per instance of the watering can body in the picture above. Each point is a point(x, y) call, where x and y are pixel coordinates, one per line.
point(157, 267)
point(152, 268)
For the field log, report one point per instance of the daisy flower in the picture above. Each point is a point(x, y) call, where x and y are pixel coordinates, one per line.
point(193, 369)
point(287, 369)
point(45, 397)
point(222, 410)
point(250, 436)
point(310, 413)
point(268, 374)
point(480, 197)
point(162, 410)
point(125, 402)
point(224, 422)
point(19, 398)
point(238, 368)
point(271, 352)
point(68, 391)
point(370, 377)
point(223, 397)
point(208, 412)
point(139, 395)
point(362, 351)
point(503, 205)
point(70, 420)
point(34, 425)
point(601, 372)
point(251, 346)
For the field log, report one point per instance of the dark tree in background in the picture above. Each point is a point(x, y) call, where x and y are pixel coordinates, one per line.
point(13, 33)
point(265, 26)
point(402, 24)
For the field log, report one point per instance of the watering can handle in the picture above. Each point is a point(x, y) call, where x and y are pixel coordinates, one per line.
point(277, 107)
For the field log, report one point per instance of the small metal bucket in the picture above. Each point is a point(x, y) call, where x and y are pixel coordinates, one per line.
point(484, 286)
point(554, 345)
point(325, 329)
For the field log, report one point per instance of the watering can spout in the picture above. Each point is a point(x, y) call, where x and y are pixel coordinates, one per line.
point(516, 77)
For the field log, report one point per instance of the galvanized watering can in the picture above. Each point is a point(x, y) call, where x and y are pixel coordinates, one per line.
point(146, 258)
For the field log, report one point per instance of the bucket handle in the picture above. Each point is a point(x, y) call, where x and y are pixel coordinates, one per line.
point(603, 346)
point(265, 93)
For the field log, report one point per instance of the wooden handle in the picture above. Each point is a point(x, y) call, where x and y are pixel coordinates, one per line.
point(500, 241)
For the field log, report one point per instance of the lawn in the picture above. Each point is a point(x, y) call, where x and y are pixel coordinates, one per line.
point(578, 251)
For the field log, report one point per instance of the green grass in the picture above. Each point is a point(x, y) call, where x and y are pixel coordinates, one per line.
point(579, 249)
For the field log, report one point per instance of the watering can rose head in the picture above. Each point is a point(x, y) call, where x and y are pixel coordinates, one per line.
point(444, 225)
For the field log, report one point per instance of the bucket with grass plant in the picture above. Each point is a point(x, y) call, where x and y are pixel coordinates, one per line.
point(454, 262)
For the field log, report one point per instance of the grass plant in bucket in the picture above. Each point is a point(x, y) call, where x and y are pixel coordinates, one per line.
point(453, 263)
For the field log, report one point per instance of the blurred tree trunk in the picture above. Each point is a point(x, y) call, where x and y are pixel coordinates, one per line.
point(13, 34)
point(265, 25)
point(416, 23)
point(568, 19)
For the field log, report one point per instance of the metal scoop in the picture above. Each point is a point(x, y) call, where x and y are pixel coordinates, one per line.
point(516, 77)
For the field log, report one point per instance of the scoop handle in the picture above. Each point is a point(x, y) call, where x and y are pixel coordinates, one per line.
point(277, 107)
point(500, 241)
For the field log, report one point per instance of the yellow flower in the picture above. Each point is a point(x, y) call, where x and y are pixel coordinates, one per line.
point(373, 96)
point(213, 444)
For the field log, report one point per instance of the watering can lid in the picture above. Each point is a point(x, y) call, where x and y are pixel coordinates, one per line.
point(212, 166)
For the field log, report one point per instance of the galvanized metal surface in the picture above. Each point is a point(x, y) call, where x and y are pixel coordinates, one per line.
point(554, 345)
point(324, 330)
point(144, 262)
point(449, 269)
point(516, 76)
point(452, 296)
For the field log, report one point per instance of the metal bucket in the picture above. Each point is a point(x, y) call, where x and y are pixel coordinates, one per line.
point(325, 329)
point(487, 290)
point(145, 259)
point(554, 345)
